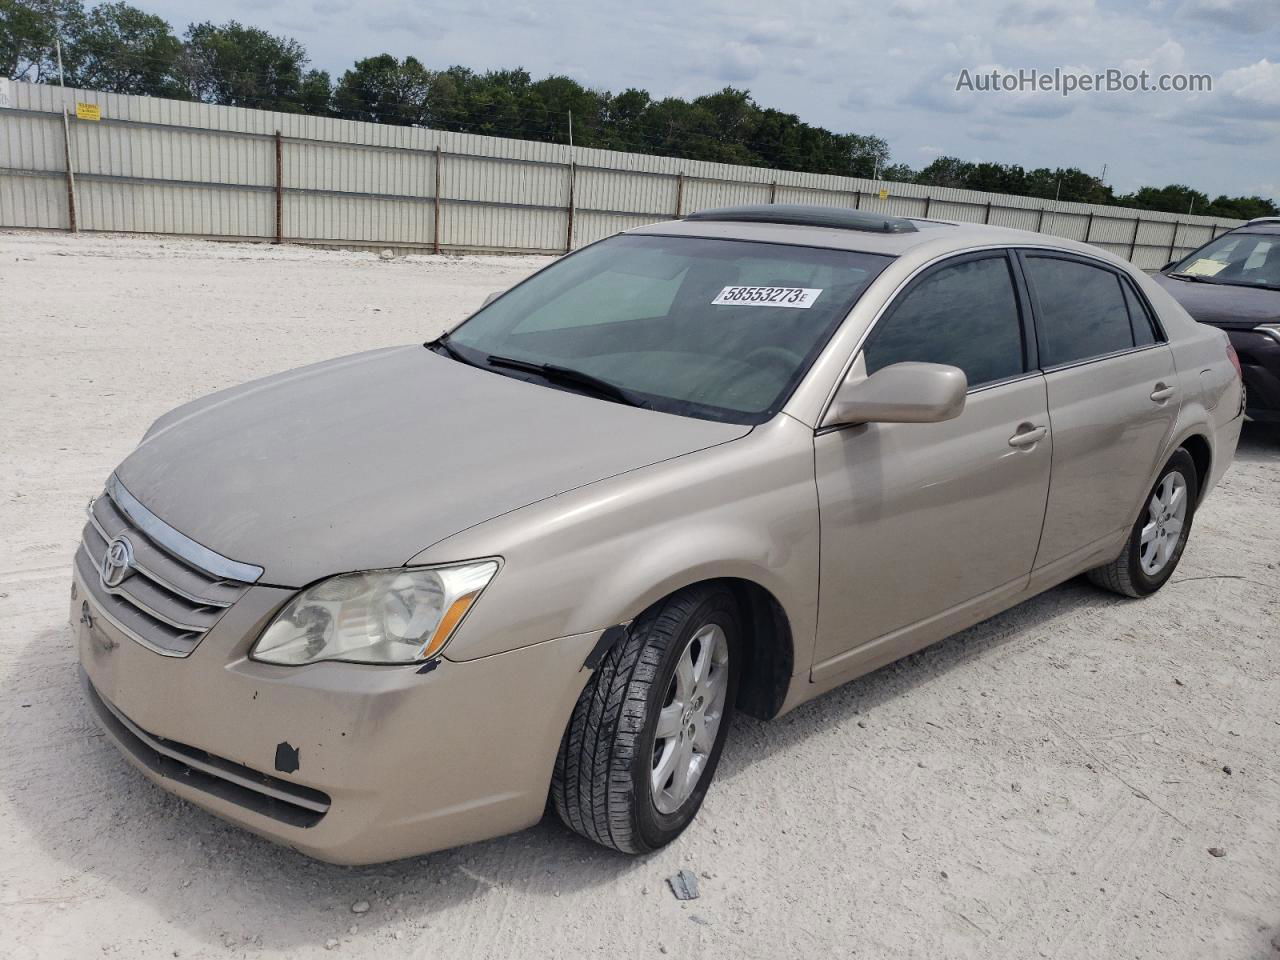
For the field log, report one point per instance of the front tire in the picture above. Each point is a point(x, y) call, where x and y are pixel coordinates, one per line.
point(647, 731)
point(1159, 536)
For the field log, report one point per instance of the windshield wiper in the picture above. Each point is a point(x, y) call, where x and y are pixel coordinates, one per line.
point(567, 376)
point(442, 342)
point(1197, 278)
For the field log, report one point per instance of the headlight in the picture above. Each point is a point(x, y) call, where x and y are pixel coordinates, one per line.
point(383, 616)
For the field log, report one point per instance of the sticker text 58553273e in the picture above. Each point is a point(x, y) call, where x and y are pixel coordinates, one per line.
point(797, 298)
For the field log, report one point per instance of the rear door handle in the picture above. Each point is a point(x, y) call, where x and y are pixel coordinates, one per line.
point(1162, 392)
point(1028, 436)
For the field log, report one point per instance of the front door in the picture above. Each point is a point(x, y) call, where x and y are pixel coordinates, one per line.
point(926, 527)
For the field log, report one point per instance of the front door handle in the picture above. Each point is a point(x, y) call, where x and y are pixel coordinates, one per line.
point(1028, 436)
point(1162, 392)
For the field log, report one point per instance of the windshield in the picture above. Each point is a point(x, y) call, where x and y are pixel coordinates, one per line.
point(718, 329)
point(1240, 259)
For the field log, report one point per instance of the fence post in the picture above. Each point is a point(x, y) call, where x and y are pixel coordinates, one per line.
point(857, 199)
point(679, 195)
point(773, 191)
point(1174, 239)
point(568, 236)
point(1088, 227)
point(279, 188)
point(986, 218)
point(928, 202)
point(1040, 222)
point(72, 226)
point(1133, 241)
point(435, 230)
point(1215, 232)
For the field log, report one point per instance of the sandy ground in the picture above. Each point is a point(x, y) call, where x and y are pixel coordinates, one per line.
point(1046, 784)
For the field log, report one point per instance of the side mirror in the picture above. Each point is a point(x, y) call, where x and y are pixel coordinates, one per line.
point(901, 393)
point(492, 297)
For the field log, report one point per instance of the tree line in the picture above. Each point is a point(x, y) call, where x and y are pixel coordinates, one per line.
point(118, 48)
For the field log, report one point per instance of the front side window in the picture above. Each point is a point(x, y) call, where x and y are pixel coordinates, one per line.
point(719, 329)
point(1080, 310)
point(964, 314)
point(1236, 259)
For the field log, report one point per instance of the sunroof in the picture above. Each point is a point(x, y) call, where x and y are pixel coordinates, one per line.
point(808, 215)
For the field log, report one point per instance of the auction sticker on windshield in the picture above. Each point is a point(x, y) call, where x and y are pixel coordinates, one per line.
point(799, 298)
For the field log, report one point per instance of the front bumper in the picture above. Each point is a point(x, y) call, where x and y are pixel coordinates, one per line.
point(1260, 361)
point(348, 763)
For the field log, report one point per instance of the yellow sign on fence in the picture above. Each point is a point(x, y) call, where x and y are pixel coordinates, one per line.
point(884, 193)
point(88, 111)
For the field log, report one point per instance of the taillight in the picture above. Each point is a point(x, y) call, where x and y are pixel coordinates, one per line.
point(1235, 360)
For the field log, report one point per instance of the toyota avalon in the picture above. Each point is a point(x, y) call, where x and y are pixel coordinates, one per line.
point(394, 602)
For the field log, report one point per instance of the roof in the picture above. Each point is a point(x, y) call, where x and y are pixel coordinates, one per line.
point(927, 242)
point(808, 215)
point(1267, 225)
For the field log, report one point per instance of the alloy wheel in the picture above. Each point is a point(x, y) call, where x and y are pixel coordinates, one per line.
point(1166, 518)
point(692, 711)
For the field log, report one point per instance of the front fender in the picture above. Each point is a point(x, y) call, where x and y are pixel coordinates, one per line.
point(601, 554)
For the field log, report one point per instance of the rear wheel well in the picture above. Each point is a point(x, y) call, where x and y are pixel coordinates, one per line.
point(1201, 456)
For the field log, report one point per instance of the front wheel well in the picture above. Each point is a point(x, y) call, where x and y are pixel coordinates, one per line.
point(1201, 455)
point(770, 651)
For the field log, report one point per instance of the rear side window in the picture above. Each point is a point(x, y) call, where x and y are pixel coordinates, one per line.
point(1144, 333)
point(963, 314)
point(1080, 311)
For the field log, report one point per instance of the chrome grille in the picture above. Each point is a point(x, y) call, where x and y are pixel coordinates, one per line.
point(169, 599)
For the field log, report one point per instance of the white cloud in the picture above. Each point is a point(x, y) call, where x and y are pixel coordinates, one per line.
point(1045, 12)
point(1253, 90)
point(1242, 15)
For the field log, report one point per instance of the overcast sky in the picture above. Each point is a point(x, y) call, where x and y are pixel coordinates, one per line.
point(888, 69)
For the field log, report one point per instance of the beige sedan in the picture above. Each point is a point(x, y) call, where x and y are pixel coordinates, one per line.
point(389, 603)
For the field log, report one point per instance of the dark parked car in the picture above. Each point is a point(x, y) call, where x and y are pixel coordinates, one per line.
point(1233, 283)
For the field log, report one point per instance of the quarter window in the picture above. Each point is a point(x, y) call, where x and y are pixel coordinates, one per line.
point(963, 314)
point(1080, 311)
point(1144, 333)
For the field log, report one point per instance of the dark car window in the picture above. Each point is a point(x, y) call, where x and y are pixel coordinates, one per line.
point(963, 314)
point(1144, 333)
point(1080, 310)
point(719, 329)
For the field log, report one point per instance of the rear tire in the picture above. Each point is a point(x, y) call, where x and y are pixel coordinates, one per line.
point(1159, 535)
point(646, 734)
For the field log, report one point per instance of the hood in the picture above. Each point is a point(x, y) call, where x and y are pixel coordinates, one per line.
point(1222, 304)
point(365, 461)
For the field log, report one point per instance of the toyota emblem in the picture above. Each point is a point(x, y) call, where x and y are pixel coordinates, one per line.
point(117, 562)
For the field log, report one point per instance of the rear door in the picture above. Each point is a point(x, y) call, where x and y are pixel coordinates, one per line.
point(1113, 398)
point(923, 523)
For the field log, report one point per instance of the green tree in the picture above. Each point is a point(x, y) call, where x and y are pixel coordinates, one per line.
point(28, 31)
point(946, 172)
point(119, 49)
point(241, 66)
point(1068, 185)
point(383, 89)
point(1242, 208)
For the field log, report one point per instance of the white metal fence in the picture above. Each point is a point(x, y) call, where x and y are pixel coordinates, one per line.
point(167, 166)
